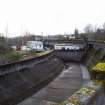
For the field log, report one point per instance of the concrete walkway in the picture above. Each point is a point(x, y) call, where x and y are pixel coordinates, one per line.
point(62, 87)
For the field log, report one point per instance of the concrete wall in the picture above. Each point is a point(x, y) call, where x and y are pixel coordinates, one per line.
point(90, 94)
point(70, 55)
point(17, 85)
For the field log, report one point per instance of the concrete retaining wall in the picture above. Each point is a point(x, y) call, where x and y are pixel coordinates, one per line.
point(70, 55)
point(20, 65)
point(91, 93)
point(23, 82)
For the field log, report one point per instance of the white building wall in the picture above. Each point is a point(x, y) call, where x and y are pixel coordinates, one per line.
point(66, 47)
point(35, 45)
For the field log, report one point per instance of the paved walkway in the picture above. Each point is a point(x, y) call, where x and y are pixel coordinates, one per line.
point(62, 87)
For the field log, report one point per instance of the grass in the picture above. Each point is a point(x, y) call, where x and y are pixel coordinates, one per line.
point(13, 56)
point(10, 56)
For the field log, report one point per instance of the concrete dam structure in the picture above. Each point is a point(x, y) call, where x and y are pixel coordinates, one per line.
point(71, 52)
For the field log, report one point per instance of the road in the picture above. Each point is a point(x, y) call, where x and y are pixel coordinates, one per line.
point(62, 87)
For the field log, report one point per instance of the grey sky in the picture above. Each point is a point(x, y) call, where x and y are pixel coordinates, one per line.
point(49, 16)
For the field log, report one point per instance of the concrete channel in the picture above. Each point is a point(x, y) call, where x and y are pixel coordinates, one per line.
point(26, 78)
point(62, 87)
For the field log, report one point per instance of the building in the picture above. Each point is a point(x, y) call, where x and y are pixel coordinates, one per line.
point(35, 45)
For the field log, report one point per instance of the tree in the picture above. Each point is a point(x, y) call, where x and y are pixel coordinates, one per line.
point(98, 31)
point(76, 32)
point(3, 45)
point(104, 27)
point(89, 29)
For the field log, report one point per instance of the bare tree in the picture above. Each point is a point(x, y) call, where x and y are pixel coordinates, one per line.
point(76, 32)
point(103, 27)
point(89, 29)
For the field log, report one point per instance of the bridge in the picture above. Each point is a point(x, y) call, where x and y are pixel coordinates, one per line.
point(48, 80)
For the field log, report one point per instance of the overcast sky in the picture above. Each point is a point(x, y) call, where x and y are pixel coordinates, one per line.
point(49, 16)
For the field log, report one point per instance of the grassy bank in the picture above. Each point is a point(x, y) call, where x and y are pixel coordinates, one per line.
point(10, 56)
point(13, 56)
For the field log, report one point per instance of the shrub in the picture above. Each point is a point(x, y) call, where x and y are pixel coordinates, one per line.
point(100, 67)
point(98, 71)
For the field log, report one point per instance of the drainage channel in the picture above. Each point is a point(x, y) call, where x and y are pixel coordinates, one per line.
point(62, 87)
